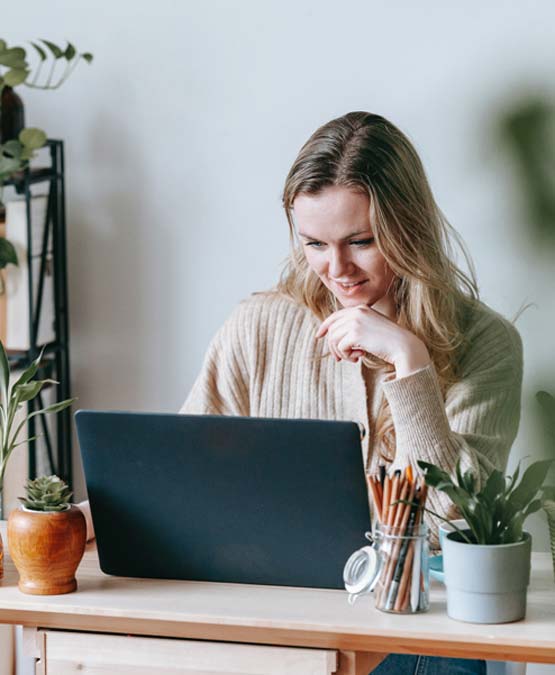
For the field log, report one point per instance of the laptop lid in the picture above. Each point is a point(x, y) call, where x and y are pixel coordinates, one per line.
point(228, 499)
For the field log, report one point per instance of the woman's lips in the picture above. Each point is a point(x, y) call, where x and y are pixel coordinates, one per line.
point(350, 289)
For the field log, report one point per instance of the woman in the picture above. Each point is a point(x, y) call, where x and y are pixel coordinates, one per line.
point(372, 321)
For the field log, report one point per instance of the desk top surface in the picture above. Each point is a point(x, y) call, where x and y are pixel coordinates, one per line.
point(279, 615)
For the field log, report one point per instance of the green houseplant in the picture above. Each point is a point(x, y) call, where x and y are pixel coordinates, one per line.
point(487, 566)
point(12, 399)
point(47, 537)
point(18, 145)
point(547, 411)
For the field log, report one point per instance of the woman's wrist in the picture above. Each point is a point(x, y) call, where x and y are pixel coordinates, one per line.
point(412, 357)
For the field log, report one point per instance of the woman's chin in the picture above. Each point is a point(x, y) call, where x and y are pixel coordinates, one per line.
point(353, 301)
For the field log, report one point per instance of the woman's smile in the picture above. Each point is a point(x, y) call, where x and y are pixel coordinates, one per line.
point(349, 288)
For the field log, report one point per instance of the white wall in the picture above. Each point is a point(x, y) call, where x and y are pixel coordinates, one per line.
point(180, 135)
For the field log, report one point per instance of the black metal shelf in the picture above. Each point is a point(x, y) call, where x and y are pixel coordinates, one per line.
point(55, 363)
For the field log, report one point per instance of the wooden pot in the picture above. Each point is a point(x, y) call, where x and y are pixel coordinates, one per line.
point(46, 548)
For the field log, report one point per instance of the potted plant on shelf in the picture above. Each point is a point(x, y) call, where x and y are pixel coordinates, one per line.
point(18, 144)
point(12, 398)
point(47, 537)
point(487, 566)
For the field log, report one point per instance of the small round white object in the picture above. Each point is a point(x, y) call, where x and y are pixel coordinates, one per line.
point(360, 571)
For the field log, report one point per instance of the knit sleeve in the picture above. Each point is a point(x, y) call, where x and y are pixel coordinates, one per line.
point(478, 421)
point(222, 386)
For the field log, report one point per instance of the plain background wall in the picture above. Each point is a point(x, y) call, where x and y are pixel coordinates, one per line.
point(180, 134)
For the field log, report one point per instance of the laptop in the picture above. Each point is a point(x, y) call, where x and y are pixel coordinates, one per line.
point(226, 499)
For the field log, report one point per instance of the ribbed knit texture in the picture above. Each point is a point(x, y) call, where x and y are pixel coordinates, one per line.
point(266, 362)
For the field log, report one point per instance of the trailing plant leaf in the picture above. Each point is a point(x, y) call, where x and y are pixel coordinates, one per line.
point(40, 51)
point(55, 50)
point(70, 51)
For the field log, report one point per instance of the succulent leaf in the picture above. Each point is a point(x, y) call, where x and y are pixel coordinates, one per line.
point(46, 493)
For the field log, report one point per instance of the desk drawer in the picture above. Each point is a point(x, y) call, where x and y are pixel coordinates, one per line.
point(72, 653)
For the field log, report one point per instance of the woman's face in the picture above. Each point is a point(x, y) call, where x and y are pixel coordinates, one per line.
point(335, 230)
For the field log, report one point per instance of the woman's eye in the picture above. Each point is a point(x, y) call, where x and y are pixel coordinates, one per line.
point(363, 242)
point(314, 244)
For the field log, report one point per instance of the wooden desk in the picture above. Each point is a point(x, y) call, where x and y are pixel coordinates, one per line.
point(342, 639)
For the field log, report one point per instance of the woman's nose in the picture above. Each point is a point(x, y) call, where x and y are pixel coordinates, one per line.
point(339, 264)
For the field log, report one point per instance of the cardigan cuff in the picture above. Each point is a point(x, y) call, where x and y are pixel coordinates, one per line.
point(418, 413)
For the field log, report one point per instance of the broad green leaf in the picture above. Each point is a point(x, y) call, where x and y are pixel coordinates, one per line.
point(458, 473)
point(548, 492)
point(15, 76)
point(8, 165)
point(4, 373)
point(533, 507)
point(40, 51)
point(434, 474)
point(13, 58)
point(56, 51)
point(3, 45)
point(530, 484)
point(12, 148)
point(32, 138)
point(513, 532)
point(469, 481)
point(88, 57)
point(7, 253)
point(513, 478)
point(70, 51)
point(494, 487)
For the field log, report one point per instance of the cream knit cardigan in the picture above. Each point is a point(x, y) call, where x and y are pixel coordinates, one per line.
point(266, 362)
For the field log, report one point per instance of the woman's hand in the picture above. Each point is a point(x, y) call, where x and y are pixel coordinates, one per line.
point(355, 330)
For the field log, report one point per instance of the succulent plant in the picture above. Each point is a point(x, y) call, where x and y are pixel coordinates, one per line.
point(46, 493)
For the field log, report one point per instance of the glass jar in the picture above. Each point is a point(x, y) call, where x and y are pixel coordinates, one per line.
point(394, 567)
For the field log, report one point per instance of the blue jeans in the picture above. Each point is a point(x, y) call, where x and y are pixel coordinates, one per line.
point(405, 664)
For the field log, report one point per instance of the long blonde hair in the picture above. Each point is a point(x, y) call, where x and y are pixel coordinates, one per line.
point(368, 154)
